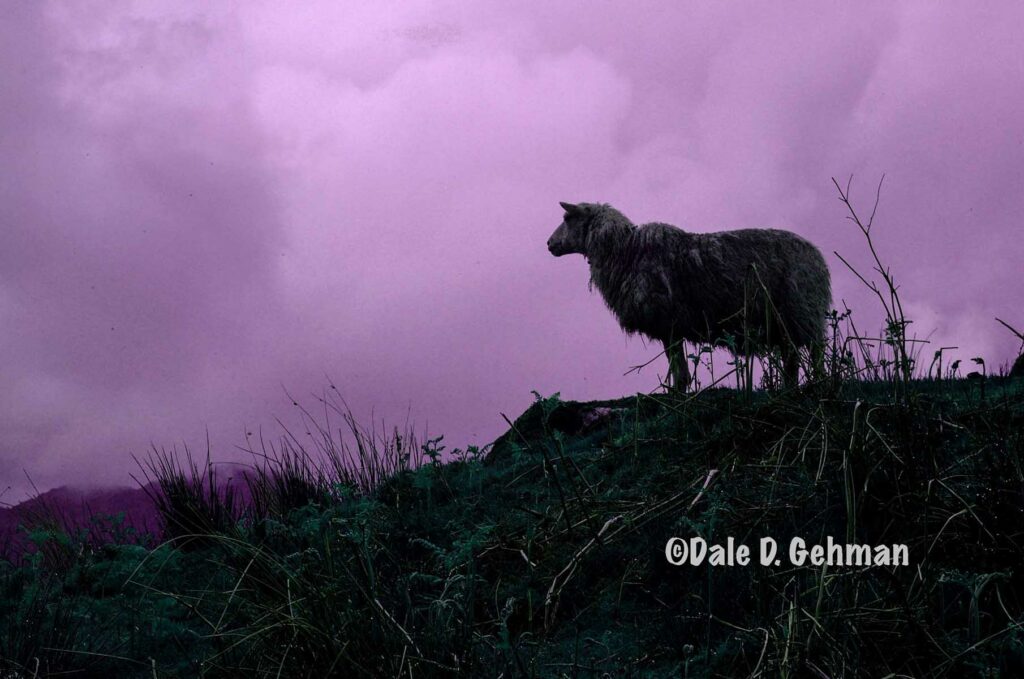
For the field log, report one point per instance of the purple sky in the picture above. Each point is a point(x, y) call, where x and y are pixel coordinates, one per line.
point(199, 207)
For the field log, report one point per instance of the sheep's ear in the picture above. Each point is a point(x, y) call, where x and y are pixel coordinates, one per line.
point(569, 207)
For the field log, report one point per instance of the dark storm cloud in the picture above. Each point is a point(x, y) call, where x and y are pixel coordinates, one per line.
point(200, 204)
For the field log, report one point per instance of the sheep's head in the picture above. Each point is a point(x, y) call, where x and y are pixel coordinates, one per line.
point(571, 235)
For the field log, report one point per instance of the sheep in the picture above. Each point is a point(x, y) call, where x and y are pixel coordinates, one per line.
point(764, 288)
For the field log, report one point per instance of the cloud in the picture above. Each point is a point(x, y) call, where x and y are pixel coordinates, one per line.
point(202, 204)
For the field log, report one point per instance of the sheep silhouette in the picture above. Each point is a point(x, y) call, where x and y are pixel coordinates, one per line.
point(763, 288)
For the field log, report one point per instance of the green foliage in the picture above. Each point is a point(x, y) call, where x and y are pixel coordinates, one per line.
point(549, 561)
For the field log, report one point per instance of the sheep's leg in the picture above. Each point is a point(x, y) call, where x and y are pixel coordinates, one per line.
point(790, 367)
point(818, 360)
point(683, 374)
point(678, 370)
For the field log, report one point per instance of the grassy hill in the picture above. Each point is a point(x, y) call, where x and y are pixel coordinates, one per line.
point(544, 555)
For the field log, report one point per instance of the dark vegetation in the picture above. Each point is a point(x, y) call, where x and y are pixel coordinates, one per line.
point(366, 552)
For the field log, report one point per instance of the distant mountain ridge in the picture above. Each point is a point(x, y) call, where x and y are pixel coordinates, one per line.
point(75, 508)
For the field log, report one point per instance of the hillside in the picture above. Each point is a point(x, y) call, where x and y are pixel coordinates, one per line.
point(76, 508)
point(545, 556)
